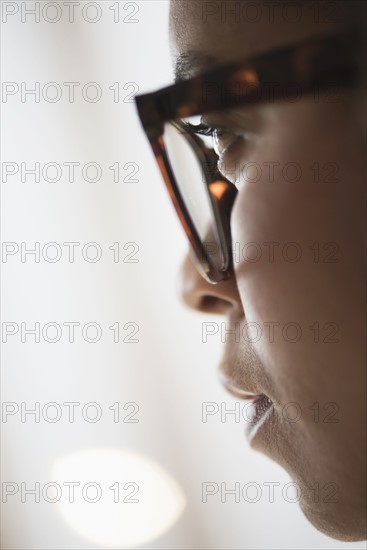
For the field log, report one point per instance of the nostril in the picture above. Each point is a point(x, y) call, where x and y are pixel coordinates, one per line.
point(212, 304)
point(202, 296)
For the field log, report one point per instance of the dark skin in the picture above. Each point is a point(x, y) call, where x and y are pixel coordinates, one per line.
point(312, 210)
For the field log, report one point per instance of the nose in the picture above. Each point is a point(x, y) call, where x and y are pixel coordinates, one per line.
point(200, 295)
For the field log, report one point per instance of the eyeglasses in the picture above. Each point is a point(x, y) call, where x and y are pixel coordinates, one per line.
point(202, 196)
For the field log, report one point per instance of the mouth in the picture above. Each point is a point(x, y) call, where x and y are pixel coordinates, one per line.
point(242, 375)
point(258, 411)
point(258, 408)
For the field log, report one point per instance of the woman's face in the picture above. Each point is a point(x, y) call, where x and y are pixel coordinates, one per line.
point(296, 303)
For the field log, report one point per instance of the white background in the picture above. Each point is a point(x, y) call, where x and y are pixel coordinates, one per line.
point(170, 373)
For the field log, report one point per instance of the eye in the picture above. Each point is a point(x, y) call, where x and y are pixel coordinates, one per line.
point(221, 137)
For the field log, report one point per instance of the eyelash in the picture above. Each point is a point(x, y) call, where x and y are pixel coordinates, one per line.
point(222, 138)
point(202, 129)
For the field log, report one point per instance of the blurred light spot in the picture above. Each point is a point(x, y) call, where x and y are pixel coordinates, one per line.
point(116, 480)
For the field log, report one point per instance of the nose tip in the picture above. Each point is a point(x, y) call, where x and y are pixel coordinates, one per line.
point(202, 296)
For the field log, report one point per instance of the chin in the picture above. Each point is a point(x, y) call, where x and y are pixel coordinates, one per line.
point(341, 522)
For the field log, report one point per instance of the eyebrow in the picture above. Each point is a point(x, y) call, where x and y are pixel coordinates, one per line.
point(192, 63)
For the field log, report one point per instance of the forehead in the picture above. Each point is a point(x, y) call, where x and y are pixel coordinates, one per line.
point(204, 33)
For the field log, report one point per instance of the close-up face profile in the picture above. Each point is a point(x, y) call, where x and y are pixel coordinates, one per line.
point(293, 307)
point(184, 270)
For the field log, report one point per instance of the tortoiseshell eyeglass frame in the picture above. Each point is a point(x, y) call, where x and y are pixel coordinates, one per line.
point(311, 65)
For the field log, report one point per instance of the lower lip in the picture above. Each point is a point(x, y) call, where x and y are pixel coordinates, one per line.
point(258, 412)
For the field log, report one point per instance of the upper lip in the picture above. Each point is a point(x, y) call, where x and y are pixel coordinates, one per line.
point(244, 386)
point(239, 392)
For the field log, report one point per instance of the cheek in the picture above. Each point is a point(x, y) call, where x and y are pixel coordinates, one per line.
point(267, 236)
point(297, 260)
point(294, 261)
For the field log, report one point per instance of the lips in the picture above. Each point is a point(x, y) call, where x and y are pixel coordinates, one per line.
point(257, 412)
point(258, 407)
point(243, 376)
